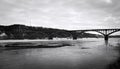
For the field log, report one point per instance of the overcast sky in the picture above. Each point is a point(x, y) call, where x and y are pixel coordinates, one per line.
point(63, 14)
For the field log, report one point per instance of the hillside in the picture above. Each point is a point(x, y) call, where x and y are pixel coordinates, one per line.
point(18, 31)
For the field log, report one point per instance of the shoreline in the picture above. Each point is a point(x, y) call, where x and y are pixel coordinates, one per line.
point(32, 40)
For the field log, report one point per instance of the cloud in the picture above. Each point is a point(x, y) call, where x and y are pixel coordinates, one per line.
point(108, 1)
point(66, 14)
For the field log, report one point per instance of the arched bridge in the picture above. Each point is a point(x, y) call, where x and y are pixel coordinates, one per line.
point(104, 32)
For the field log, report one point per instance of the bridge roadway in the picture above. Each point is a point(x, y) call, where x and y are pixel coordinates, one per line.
point(105, 32)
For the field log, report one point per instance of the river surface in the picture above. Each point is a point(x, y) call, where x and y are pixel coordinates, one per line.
point(83, 54)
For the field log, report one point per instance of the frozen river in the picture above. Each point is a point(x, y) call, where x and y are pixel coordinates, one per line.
point(83, 54)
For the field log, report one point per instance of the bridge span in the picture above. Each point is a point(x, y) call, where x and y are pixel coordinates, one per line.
point(105, 32)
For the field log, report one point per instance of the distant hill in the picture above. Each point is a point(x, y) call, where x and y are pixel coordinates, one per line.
point(18, 31)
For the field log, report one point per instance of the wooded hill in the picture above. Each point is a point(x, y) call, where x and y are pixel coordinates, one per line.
point(18, 31)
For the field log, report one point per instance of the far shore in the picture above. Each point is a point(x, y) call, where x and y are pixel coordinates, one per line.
point(28, 40)
point(32, 40)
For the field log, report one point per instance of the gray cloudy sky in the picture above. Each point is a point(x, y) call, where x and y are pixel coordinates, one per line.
point(64, 14)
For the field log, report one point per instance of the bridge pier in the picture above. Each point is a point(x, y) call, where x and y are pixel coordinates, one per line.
point(106, 37)
point(50, 38)
point(73, 35)
point(74, 38)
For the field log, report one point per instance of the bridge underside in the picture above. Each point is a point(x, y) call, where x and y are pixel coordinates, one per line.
point(104, 32)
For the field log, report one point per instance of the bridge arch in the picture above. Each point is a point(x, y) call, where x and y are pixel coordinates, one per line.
point(104, 32)
point(107, 33)
point(114, 32)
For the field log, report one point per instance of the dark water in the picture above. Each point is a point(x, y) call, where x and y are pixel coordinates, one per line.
point(83, 54)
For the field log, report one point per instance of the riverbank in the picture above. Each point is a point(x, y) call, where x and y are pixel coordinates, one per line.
point(35, 44)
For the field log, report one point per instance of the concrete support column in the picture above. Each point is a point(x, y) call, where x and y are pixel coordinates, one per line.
point(106, 37)
point(74, 37)
point(50, 38)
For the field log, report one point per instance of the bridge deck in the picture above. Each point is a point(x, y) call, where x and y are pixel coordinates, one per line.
point(97, 29)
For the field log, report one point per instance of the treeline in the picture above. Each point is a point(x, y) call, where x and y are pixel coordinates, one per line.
point(18, 31)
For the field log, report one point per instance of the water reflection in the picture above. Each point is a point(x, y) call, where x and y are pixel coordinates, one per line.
point(106, 42)
point(115, 64)
point(84, 54)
